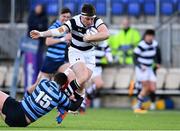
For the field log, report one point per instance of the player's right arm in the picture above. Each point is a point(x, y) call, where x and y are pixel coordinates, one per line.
point(49, 33)
point(52, 41)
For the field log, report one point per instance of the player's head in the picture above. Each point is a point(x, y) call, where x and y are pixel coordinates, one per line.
point(149, 35)
point(39, 9)
point(60, 78)
point(88, 13)
point(65, 14)
point(125, 23)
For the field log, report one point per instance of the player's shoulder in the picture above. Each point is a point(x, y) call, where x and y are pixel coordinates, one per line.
point(142, 43)
point(56, 24)
point(97, 19)
point(76, 17)
point(155, 43)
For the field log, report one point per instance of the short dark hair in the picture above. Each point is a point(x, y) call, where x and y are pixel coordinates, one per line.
point(65, 10)
point(149, 32)
point(60, 78)
point(88, 9)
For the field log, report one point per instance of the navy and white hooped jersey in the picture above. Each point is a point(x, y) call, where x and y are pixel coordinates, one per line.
point(57, 51)
point(77, 28)
point(44, 98)
point(102, 50)
point(146, 53)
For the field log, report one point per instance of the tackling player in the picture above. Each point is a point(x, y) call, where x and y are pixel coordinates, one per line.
point(43, 99)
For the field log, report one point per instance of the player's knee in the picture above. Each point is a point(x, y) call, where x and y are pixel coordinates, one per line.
point(83, 77)
point(99, 84)
point(152, 89)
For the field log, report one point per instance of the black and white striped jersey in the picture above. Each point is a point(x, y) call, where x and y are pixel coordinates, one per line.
point(77, 28)
point(145, 53)
point(103, 50)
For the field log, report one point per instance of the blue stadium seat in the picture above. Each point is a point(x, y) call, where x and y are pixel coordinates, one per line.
point(149, 8)
point(100, 8)
point(117, 8)
point(71, 6)
point(166, 8)
point(88, 1)
point(178, 7)
point(81, 2)
point(52, 9)
point(134, 9)
point(80, 7)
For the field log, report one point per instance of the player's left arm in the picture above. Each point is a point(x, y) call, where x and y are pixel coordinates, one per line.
point(108, 53)
point(158, 58)
point(72, 104)
point(103, 34)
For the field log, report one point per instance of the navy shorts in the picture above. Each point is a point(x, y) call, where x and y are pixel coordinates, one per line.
point(15, 116)
point(50, 65)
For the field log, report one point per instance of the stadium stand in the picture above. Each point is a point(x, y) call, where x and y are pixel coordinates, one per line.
point(149, 8)
point(109, 77)
point(134, 9)
point(100, 8)
point(71, 6)
point(161, 75)
point(8, 78)
point(117, 8)
point(123, 78)
point(166, 7)
point(172, 79)
point(3, 72)
point(168, 81)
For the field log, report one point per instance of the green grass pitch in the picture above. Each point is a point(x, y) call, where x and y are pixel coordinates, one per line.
point(107, 119)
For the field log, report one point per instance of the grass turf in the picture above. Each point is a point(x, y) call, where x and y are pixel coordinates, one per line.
point(107, 119)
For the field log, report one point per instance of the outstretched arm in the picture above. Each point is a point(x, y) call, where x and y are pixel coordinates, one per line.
point(49, 33)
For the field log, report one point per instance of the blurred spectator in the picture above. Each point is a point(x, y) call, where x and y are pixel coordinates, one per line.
point(123, 43)
point(37, 20)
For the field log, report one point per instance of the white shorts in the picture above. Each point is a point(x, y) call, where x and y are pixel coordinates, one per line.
point(147, 75)
point(87, 57)
point(97, 71)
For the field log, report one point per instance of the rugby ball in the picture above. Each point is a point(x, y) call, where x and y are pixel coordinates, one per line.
point(92, 31)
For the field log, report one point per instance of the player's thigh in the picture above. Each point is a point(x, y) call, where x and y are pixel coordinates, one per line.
point(14, 113)
point(152, 86)
point(98, 81)
point(75, 56)
point(80, 70)
point(97, 77)
point(51, 66)
point(141, 75)
point(90, 59)
point(3, 97)
point(66, 67)
point(63, 67)
point(152, 76)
